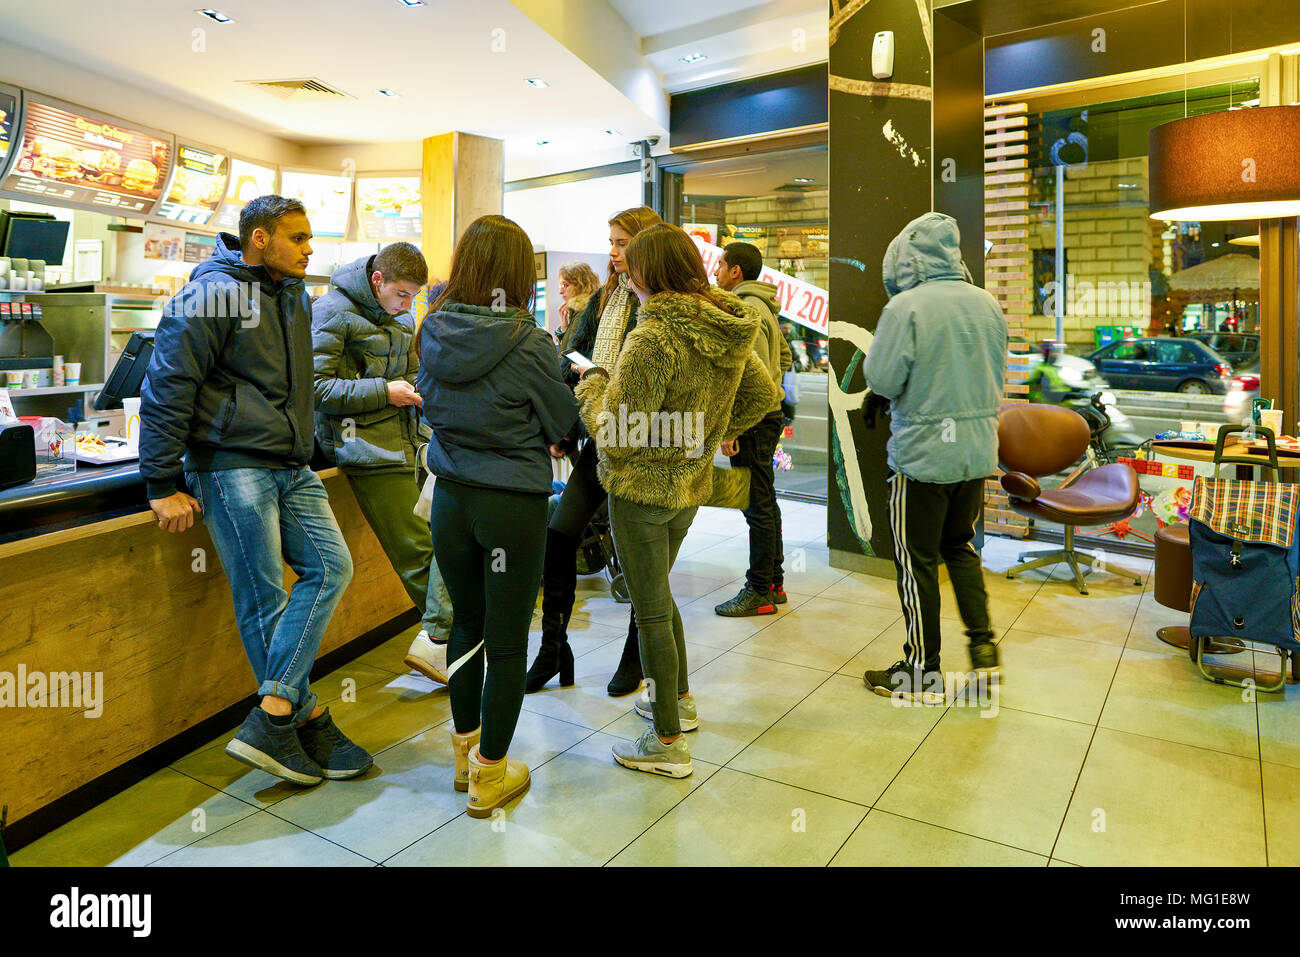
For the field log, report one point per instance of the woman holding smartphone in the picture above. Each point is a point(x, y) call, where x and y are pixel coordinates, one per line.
point(495, 400)
point(690, 360)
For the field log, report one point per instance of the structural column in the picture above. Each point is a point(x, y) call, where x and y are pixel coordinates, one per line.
point(462, 179)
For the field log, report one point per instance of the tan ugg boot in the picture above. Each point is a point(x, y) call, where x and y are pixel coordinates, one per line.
point(461, 743)
point(494, 785)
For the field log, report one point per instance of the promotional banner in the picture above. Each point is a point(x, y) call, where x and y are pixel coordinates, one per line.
point(388, 207)
point(800, 301)
point(83, 159)
point(197, 186)
point(8, 122)
point(247, 181)
point(164, 242)
point(328, 199)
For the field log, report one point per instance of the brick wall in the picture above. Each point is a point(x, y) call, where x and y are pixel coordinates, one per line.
point(776, 210)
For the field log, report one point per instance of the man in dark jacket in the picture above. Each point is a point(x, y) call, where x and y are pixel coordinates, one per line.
point(226, 413)
point(737, 272)
point(368, 421)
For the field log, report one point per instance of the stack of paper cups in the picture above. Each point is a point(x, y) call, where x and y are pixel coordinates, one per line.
point(56, 372)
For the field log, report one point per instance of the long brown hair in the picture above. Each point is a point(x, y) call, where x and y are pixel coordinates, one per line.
point(663, 258)
point(631, 221)
point(493, 259)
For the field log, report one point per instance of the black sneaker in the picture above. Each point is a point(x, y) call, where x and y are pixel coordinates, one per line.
point(338, 756)
point(778, 595)
point(747, 602)
point(902, 680)
point(984, 660)
point(274, 748)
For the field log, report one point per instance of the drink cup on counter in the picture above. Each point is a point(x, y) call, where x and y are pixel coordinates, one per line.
point(1271, 419)
point(131, 430)
point(1187, 426)
point(14, 378)
point(1210, 429)
point(56, 372)
point(72, 373)
point(31, 378)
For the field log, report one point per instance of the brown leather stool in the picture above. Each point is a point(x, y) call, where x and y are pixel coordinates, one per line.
point(1174, 589)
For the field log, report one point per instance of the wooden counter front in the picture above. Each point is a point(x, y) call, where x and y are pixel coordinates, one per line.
point(126, 599)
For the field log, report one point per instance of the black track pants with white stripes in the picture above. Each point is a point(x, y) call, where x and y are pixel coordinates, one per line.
point(932, 522)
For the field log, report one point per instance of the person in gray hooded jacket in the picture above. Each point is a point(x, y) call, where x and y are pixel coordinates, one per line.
point(939, 356)
point(368, 421)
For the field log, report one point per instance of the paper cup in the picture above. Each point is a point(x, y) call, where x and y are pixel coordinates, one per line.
point(1271, 419)
point(31, 378)
point(131, 408)
point(1211, 429)
point(72, 373)
point(1186, 426)
point(14, 378)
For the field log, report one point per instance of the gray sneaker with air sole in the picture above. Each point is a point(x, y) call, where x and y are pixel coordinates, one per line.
point(687, 715)
point(647, 753)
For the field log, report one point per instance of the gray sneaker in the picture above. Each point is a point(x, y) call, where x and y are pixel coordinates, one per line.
point(689, 718)
point(648, 753)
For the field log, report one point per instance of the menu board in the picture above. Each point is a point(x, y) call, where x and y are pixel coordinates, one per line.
point(246, 181)
point(79, 158)
point(8, 122)
point(197, 185)
point(388, 207)
point(327, 196)
point(198, 247)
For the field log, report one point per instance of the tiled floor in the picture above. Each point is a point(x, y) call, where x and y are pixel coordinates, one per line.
point(1103, 747)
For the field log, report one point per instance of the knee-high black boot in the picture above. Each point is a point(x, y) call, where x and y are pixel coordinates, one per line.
point(559, 586)
point(627, 678)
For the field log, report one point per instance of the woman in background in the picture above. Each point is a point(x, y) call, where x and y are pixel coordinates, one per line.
point(494, 398)
point(577, 285)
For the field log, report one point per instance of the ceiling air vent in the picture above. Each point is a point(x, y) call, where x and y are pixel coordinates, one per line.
point(299, 91)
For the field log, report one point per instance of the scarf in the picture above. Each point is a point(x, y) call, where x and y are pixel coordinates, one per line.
point(613, 325)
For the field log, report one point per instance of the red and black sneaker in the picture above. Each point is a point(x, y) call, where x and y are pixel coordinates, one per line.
point(778, 595)
point(746, 603)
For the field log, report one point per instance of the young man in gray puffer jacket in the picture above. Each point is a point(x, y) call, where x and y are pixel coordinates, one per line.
point(368, 421)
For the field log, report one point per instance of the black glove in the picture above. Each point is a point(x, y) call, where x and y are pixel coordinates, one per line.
point(874, 405)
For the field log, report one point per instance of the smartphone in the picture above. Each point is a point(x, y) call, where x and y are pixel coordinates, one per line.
point(579, 360)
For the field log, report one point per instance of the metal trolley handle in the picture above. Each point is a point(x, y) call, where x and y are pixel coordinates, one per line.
point(1220, 459)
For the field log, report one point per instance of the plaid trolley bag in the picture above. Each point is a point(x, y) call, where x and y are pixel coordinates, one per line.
point(1245, 563)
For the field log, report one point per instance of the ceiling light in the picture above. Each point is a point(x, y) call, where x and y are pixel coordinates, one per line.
point(803, 179)
point(215, 15)
point(693, 58)
point(411, 3)
point(537, 81)
point(1236, 164)
point(613, 133)
point(542, 142)
point(387, 93)
point(1245, 240)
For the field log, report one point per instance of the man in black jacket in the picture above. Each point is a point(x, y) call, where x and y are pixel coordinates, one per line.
point(226, 433)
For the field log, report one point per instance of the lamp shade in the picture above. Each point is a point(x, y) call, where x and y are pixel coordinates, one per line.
point(1236, 164)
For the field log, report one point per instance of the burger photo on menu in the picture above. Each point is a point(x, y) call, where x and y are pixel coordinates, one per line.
point(56, 160)
point(140, 176)
point(102, 167)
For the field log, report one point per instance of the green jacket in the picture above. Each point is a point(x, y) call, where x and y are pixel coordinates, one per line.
point(359, 349)
point(770, 344)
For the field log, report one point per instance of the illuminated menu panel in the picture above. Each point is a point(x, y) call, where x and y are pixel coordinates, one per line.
point(197, 185)
point(328, 198)
point(78, 158)
point(247, 181)
point(8, 123)
point(388, 207)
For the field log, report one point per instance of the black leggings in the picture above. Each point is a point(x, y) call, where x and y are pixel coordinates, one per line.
point(489, 545)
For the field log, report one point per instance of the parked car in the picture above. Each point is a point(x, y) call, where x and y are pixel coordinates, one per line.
point(1243, 387)
point(1163, 364)
point(1239, 348)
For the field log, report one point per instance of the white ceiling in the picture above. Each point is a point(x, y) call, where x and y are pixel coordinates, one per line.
point(457, 64)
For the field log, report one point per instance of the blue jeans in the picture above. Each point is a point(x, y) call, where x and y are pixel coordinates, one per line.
point(259, 520)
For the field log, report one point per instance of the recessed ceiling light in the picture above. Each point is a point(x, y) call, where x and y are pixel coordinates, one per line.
point(693, 58)
point(613, 133)
point(803, 179)
point(387, 93)
point(411, 3)
point(215, 15)
point(542, 142)
point(537, 81)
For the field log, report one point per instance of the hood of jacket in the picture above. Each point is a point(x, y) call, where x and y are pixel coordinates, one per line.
point(765, 291)
point(928, 248)
point(353, 280)
point(226, 260)
point(464, 343)
point(723, 335)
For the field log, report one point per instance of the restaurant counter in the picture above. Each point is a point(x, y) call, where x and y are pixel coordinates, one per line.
point(91, 589)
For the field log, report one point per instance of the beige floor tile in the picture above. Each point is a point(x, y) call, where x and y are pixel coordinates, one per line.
point(807, 569)
point(1279, 729)
point(262, 840)
point(865, 590)
point(1162, 696)
point(1057, 862)
point(1059, 677)
point(212, 766)
point(584, 635)
point(587, 703)
point(820, 633)
point(542, 828)
point(352, 677)
point(1282, 814)
point(718, 521)
point(697, 541)
point(1007, 600)
point(887, 648)
point(603, 610)
point(409, 792)
point(739, 820)
point(147, 821)
point(389, 655)
point(1006, 778)
point(383, 715)
point(841, 740)
point(686, 587)
point(738, 698)
point(887, 840)
point(1147, 803)
point(1104, 614)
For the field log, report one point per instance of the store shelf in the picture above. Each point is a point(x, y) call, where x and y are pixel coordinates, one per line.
point(56, 390)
